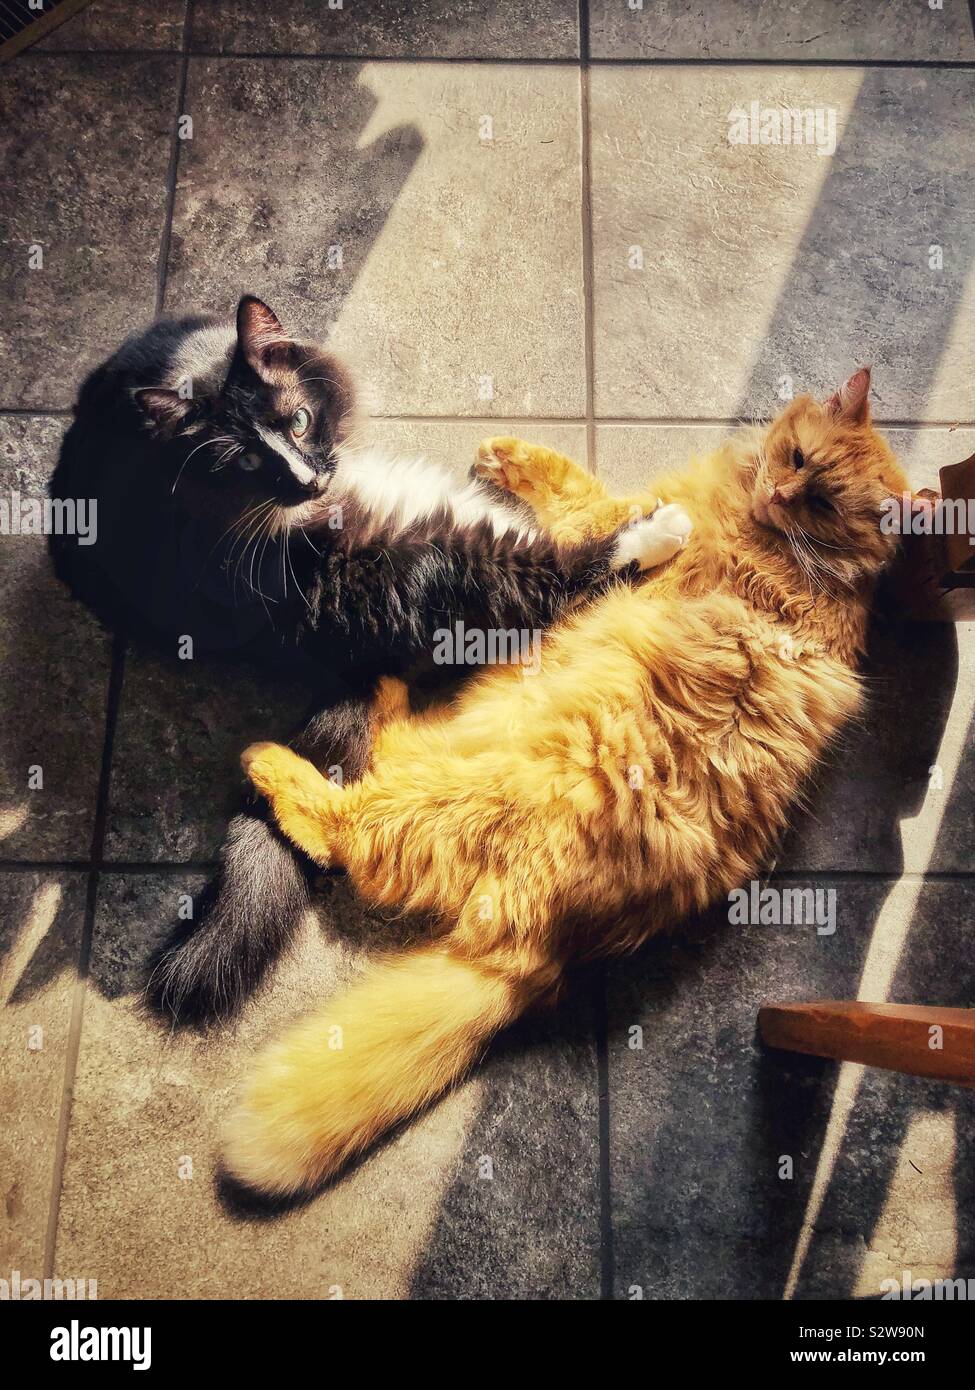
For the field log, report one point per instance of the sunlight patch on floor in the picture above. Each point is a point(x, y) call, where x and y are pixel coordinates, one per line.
point(38, 922)
point(917, 1228)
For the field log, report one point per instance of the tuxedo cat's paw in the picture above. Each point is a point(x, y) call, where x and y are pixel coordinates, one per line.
point(654, 540)
point(673, 519)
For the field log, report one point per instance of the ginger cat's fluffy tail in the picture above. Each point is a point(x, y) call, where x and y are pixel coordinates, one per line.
point(345, 1074)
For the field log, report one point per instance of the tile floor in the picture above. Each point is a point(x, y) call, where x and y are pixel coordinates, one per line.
point(541, 222)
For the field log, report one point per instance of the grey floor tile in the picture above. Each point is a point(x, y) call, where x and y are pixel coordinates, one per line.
point(392, 28)
point(41, 918)
point(628, 456)
point(823, 29)
point(176, 776)
point(386, 169)
point(520, 1219)
point(768, 267)
point(140, 1211)
point(454, 444)
point(56, 663)
point(84, 147)
point(701, 1117)
point(117, 25)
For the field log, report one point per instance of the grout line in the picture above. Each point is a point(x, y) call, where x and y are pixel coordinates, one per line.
point(73, 1046)
point(662, 421)
point(587, 257)
point(942, 64)
point(655, 421)
point(479, 419)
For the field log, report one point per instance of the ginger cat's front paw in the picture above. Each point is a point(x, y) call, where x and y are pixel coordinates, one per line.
point(526, 470)
point(655, 539)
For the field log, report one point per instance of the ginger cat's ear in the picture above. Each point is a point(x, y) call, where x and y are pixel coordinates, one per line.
point(258, 331)
point(851, 400)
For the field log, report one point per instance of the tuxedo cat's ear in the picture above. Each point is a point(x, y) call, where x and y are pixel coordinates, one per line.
point(851, 400)
point(165, 409)
point(258, 332)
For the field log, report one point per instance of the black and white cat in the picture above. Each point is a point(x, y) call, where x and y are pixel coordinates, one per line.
point(235, 509)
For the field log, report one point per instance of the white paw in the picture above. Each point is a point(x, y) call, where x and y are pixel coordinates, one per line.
point(673, 519)
point(654, 540)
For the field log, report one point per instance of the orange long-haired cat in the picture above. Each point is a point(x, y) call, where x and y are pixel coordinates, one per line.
point(645, 771)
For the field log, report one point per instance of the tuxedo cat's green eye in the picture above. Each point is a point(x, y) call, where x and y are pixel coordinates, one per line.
point(299, 422)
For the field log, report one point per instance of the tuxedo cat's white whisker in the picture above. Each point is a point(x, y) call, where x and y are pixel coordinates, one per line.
point(287, 551)
point(251, 540)
point(308, 541)
point(225, 455)
point(266, 533)
point(247, 524)
point(258, 533)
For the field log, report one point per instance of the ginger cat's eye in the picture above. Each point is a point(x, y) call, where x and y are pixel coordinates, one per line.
point(798, 458)
point(299, 422)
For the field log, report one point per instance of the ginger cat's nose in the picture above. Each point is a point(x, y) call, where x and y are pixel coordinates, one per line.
point(778, 498)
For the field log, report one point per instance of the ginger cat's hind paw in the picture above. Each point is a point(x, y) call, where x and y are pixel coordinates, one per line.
point(267, 765)
point(299, 796)
point(654, 540)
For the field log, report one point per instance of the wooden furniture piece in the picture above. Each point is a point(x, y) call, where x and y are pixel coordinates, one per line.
point(920, 1041)
point(958, 552)
point(930, 568)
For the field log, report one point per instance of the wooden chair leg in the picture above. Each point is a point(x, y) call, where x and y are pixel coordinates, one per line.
point(920, 1041)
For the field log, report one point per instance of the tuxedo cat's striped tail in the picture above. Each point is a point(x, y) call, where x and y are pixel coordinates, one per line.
point(344, 1075)
point(251, 910)
point(245, 918)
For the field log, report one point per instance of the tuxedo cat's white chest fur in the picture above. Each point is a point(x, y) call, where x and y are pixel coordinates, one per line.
point(405, 490)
